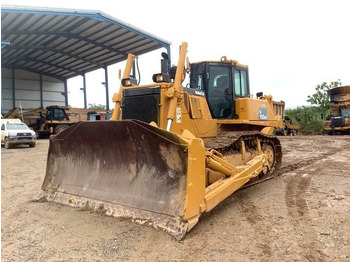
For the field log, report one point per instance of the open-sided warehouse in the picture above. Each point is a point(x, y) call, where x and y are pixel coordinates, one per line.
point(42, 48)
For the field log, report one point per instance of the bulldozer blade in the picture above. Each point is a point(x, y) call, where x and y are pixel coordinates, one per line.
point(121, 168)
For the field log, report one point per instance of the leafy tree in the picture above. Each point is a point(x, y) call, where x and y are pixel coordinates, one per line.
point(321, 98)
point(96, 107)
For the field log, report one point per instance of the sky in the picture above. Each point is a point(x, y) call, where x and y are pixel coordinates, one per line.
point(289, 46)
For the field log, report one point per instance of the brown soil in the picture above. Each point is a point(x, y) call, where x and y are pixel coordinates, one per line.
point(301, 215)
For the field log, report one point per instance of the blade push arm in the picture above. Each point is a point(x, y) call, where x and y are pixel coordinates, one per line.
point(175, 93)
point(117, 97)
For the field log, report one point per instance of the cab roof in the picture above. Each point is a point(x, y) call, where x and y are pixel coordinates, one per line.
point(223, 60)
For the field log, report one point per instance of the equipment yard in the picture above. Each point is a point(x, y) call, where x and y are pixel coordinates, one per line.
point(301, 215)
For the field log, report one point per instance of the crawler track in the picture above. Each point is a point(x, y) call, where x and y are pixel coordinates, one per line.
point(229, 142)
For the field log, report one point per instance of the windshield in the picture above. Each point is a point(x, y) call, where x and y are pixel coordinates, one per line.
point(16, 127)
point(345, 112)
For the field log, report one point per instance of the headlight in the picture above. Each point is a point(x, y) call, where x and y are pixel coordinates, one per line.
point(12, 134)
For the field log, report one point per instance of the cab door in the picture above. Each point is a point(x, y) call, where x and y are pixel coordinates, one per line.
point(241, 82)
point(219, 90)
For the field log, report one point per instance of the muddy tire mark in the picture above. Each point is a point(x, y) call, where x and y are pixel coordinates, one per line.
point(292, 167)
point(261, 229)
point(298, 214)
point(295, 195)
point(306, 162)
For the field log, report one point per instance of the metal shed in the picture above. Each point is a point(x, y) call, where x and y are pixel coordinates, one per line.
point(63, 43)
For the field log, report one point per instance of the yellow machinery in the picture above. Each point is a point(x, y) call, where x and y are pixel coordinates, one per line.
point(288, 128)
point(54, 119)
point(338, 122)
point(171, 152)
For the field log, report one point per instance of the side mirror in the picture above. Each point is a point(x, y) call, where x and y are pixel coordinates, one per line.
point(172, 72)
point(259, 94)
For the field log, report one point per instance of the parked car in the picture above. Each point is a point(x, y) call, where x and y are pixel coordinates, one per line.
point(16, 133)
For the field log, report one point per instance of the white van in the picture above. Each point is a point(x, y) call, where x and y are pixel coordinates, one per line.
point(14, 132)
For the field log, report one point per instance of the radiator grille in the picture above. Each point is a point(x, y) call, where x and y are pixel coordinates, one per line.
point(337, 121)
point(24, 134)
point(141, 104)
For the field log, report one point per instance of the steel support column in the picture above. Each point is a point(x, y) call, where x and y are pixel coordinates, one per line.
point(66, 92)
point(106, 85)
point(41, 90)
point(84, 91)
point(13, 88)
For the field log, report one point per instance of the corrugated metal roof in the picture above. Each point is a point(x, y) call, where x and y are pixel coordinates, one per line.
point(64, 43)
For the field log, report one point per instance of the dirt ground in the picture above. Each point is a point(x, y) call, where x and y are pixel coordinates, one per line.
point(302, 215)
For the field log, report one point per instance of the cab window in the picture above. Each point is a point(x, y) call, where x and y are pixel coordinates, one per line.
point(49, 114)
point(345, 113)
point(241, 83)
point(59, 114)
point(196, 79)
point(55, 114)
point(219, 91)
point(200, 82)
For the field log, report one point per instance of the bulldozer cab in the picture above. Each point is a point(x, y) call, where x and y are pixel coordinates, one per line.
point(221, 82)
point(56, 113)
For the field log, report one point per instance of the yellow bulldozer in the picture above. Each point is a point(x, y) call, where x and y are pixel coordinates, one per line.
point(171, 152)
